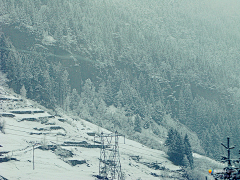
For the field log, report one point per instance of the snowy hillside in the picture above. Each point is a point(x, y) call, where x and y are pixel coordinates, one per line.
point(26, 123)
point(159, 64)
point(64, 146)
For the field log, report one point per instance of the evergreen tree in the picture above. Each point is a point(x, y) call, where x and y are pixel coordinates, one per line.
point(67, 102)
point(182, 108)
point(187, 94)
point(157, 114)
point(185, 104)
point(65, 89)
point(74, 100)
point(175, 147)
point(88, 94)
point(3, 78)
point(23, 92)
point(102, 90)
point(109, 95)
point(48, 90)
point(188, 151)
point(170, 137)
point(137, 124)
point(168, 108)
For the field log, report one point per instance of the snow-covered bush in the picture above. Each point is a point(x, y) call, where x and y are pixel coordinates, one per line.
point(63, 152)
point(3, 78)
point(2, 126)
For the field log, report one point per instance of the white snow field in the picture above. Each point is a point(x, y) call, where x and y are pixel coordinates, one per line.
point(27, 123)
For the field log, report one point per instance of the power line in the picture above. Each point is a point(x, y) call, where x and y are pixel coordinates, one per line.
point(19, 127)
point(47, 134)
point(138, 151)
point(138, 147)
point(28, 132)
point(31, 136)
point(22, 135)
point(64, 139)
point(109, 141)
point(16, 130)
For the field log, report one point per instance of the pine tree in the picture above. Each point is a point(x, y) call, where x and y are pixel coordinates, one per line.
point(168, 108)
point(3, 78)
point(185, 104)
point(137, 124)
point(170, 137)
point(188, 151)
point(109, 95)
point(74, 100)
point(182, 108)
point(175, 147)
point(23, 92)
point(157, 114)
point(88, 92)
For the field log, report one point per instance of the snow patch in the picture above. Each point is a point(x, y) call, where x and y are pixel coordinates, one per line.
point(47, 39)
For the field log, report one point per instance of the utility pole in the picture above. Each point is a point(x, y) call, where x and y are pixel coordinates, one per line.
point(229, 172)
point(228, 159)
point(33, 156)
point(33, 145)
point(110, 165)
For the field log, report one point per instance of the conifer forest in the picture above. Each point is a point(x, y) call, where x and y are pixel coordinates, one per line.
point(150, 69)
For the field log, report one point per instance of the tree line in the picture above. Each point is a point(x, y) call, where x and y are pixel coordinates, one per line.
point(149, 64)
point(179, 149)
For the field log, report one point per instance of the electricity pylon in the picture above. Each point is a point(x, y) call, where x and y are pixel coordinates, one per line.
point(109, 161)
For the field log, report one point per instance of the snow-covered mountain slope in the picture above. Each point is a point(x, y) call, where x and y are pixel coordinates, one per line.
point(64, 146)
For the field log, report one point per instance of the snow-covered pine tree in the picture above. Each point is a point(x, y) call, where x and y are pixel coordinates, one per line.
point(137, 124)
point(3, 78)
point(23, 92)
point(188, 151)
point(170, 137)
point(158, 110)
point(175, 147)
point(74, 100)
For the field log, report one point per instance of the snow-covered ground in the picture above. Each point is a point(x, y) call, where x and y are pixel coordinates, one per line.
point(41, 128)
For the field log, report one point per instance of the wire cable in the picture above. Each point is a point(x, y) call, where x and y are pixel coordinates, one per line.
point(19, 127)
point(24, 136)
point(65, 139)
point(45, 135)
point(139, 147)
point(16, 130)
point(81, 139)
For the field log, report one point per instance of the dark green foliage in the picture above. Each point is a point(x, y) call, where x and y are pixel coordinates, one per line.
point(137, 124)
point(188, 151)
point(147, 68)
point(158, 111)
point(109, 91)
point(2, 126)
point(44, 82)
point(170, 137)
point(175, 145)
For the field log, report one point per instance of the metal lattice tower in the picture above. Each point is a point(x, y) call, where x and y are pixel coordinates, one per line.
point(102, 160)
point(114, 158)
point(109, 161)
